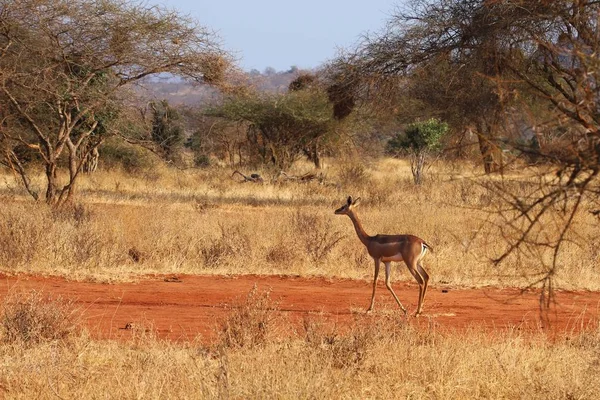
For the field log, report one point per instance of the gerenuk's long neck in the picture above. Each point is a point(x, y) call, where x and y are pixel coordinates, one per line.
point(362, 235)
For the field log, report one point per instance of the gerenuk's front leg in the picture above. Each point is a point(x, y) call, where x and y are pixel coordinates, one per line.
point(377, 263)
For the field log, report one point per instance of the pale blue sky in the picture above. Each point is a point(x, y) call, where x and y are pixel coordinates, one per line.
point(279, 33)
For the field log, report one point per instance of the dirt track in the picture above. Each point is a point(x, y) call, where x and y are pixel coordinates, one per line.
point(192, 305)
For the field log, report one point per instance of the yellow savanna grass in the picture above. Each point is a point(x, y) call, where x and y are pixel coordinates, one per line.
point(379, 356)
point(205, 221)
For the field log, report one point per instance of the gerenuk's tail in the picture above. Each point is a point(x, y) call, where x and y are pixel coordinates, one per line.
point(428, 246)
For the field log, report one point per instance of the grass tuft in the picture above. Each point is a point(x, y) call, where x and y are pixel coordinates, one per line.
point(251, 323)
point(31, 318)
point(315, 235)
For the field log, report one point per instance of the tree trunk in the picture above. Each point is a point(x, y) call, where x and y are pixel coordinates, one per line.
point(317, 160)
point(417, 164)
point(15, 164)
point(75, 165)
point(486, 154)
point(240, 155)
point(490, 153)
point(91, 161)
point(312, 153)
point(51, 183)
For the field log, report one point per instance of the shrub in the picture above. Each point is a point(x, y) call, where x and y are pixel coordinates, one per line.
point(352, 174)
point(201, 161)
point(251, 323)
point(316, 235)
point(342, 349)
point(23, 234)
point(231, 242)
point(132, 159)
point(420, 139)
point(282, 253)
point(77, 213)
point(167, 129)
point(31, 318)
point(351, 348)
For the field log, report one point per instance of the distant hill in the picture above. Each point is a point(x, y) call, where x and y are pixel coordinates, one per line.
point(180, 92)
point(177, 92)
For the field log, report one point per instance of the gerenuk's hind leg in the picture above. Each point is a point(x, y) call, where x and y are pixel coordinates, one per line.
point(413, 271)
point(425, 277)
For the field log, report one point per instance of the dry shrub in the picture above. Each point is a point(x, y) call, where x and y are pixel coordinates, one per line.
point(317, 333)
point(31, 318)
point(381, 193)
point(136, 255)
point(232, 241)
point(315, 234)
point(281, 253)
point(159, 223)
point(351, 348)
point(35, 236)
point(353, 174)
point(75, 213)
point(360, 256)
point(202, 206)
point(89, 247)
point(476, 364)
point(586, 339)
point(22, 234)
point(251, 323)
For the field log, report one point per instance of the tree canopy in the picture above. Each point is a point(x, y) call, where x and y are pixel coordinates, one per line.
point(63, 64)
point(282, 127)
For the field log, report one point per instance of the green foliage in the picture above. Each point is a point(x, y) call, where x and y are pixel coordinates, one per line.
point(209, 138)
point(201, 160)
point(419, 137)
point(132, 159)
point(280, 126)
point(64, 76)
point(196, 143)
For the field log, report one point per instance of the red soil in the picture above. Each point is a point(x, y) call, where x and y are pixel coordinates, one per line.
point(193, 305)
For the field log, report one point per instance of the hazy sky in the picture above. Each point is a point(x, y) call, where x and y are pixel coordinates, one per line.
point(279, 33)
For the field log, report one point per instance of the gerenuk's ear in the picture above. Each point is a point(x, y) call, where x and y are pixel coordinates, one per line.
point(356, 202)
point(349, 200)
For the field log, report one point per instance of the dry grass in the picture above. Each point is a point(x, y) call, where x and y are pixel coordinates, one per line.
point(378, 357)
point(168, 221)
point(202, 221)
point(250, 323)
point(31, 318)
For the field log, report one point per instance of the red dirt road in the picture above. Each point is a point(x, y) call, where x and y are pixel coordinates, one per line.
point(193, 305)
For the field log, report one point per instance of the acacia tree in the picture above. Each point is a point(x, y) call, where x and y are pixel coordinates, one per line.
point(444, 53)
point(554, 53)
point(64, 63)
point(517, 57)
point(281, 127)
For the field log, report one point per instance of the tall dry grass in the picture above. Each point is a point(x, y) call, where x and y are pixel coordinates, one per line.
point(203, 221)
point(30, 318)
point(377, 357)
